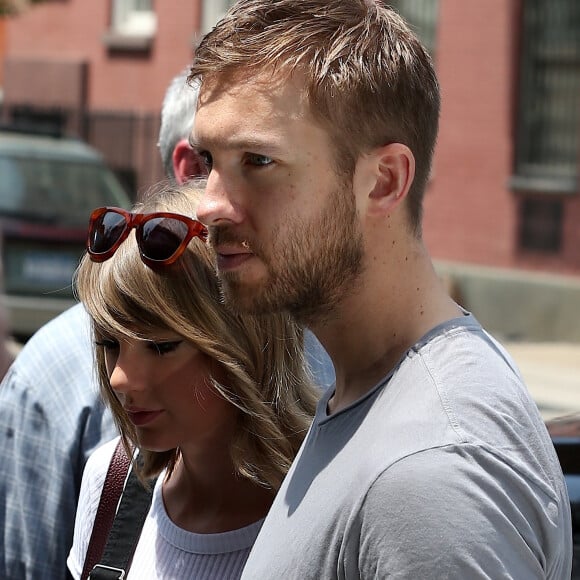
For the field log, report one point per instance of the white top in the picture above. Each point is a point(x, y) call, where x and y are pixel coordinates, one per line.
point(164, 550)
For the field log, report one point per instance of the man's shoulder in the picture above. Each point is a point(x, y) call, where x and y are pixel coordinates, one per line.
point(64, 331)
point(63, 343)
point(463, 341)
point(55, 367)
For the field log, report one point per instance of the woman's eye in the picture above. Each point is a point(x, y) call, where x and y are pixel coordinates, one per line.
point(164, 347)
point(260, 160)
point(108, 343)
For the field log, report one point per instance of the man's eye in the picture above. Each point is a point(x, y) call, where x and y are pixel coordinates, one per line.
point(260, 160)
point(108, 343)
point(206, 158)
point(164, 347)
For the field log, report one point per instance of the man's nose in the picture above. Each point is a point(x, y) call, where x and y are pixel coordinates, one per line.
point(218, 205)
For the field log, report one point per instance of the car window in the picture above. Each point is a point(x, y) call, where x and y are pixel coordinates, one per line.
point(12, 185)
point(61, 187)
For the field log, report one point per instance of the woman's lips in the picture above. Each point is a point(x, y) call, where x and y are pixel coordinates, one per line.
point(140, 418)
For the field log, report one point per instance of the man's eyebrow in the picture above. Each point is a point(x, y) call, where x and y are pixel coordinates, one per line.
point(242, 143)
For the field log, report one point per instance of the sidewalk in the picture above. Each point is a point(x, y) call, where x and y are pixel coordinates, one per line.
point(552, 373)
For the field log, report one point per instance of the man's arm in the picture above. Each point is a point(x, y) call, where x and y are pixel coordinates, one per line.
point(455, 512)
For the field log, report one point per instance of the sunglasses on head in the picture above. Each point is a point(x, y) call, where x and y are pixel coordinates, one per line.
point(161, 236)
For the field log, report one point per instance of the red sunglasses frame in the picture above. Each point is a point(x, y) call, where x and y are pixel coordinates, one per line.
point(136, 221)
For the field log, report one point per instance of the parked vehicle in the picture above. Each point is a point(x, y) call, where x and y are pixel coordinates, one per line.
point(48, 188)
point(565, 433)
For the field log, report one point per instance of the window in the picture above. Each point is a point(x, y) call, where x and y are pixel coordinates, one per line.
point(422, 17)
point(134, 17)
point(547, 149)
point(133, 25)
point(541, 224)
point(212, 11)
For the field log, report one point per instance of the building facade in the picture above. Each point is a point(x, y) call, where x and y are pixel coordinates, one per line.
point(505, 186)
point(101, 70)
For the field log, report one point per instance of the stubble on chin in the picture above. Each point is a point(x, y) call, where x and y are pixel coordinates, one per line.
point(236, 296)
point(308, 292)
point(306, 275)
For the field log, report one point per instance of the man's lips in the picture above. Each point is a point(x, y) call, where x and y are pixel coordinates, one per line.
point(230, 257)
point(140, 417)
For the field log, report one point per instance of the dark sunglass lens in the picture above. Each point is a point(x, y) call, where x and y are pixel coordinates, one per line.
point(161, 237)
point(106, 232)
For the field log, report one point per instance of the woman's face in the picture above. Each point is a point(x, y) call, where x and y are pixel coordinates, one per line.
point(163, 383)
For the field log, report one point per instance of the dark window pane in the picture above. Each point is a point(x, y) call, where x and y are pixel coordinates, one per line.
point(422, 17)
point(549, 104)
point(541, 224)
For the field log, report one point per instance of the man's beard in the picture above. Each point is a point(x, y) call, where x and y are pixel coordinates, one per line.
point(310, 271)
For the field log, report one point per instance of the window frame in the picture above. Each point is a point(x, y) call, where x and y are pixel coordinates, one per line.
point(132, 27)
point(547, 142)
point(423, 18)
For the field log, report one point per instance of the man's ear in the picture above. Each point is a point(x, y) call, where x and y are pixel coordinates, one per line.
point(395, 171)
point(186, 162)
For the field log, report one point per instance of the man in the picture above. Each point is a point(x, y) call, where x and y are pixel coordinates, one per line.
point(50, 421)
point(317, 120)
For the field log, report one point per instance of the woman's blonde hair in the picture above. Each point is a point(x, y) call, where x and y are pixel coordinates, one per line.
point(260, 356)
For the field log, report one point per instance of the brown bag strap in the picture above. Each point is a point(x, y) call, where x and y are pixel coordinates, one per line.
point(112, 490)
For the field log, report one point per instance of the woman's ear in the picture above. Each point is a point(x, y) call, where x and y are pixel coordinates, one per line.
point(395, 171)
point(186, 162)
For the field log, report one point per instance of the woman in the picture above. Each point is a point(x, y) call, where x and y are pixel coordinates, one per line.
point(216, 402)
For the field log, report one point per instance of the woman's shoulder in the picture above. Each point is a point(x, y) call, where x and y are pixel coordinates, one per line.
point(98, 464)
point(94, 476)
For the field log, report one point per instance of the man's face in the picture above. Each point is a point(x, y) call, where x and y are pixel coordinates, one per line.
point(282, 221)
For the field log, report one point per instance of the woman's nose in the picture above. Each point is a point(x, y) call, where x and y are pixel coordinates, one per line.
point(119, 380)
point(128, 371)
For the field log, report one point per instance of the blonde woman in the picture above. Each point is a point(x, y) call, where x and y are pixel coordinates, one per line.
point(216, 402)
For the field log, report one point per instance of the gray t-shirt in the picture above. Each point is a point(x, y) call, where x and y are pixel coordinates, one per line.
point(444, 470)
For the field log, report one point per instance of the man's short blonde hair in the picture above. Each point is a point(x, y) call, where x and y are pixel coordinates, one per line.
point(369, 80)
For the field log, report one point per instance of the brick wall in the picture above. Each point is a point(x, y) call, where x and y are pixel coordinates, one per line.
point(469, 212)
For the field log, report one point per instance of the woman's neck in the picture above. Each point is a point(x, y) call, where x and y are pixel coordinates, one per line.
point(209, 497)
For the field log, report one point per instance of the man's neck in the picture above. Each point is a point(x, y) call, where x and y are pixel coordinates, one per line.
point(392, 309)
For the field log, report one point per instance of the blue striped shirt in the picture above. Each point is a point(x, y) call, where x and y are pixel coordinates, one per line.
point(51, 419)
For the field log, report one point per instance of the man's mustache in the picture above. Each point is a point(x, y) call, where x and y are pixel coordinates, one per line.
point(220, 235)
